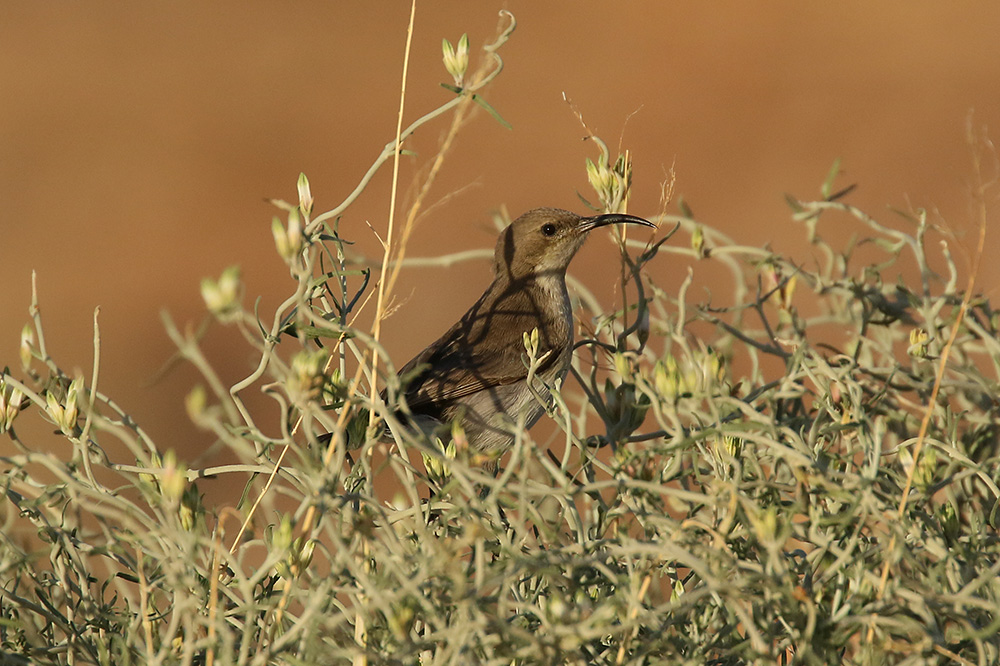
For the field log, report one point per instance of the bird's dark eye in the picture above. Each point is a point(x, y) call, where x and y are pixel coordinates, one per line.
point(548, 229)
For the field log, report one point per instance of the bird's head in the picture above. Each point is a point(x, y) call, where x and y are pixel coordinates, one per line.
point(544, 240)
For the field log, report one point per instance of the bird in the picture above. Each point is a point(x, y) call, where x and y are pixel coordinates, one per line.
point(476, 372)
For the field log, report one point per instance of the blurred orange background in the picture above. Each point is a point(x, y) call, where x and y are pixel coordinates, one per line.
point(140, 140)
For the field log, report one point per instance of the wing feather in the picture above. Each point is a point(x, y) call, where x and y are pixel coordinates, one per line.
point(484, 348)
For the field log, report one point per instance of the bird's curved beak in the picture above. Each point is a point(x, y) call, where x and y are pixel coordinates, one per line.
point(588, 223)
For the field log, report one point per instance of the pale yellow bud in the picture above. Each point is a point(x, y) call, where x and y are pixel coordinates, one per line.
point(666, 378)
point(10, 405)
point(195, 403)
point(606, 183)
point(299, 555)
point(530, 341)
point(280, 539)
point(150, 479)
point(456, 60)
point(727, 447)
point(305, 381)
point(288, 241)
point(280, 237)
point(433, 465)
point(54, 409)
point(698, 240)
point(622, 366)
point(223, 297)
point(173, 481)
point(305, 196)
point(27, 343)
point(65, 413)
point(765, 524)
point(713, 370)
point(788, 291)
point(437, 466)
point(678, 590)
point(918, 343)
point(73, 397)
point(623, 167)
point(594, 175)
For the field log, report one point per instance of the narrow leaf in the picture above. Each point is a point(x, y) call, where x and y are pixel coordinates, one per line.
point(493, 112)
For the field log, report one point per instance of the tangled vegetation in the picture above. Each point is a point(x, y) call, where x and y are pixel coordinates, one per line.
point(802, 471)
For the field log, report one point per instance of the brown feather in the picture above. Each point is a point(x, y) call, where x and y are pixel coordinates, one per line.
point(485, 348)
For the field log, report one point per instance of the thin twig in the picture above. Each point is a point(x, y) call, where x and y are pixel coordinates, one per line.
point(383, 288)
point(92, 397)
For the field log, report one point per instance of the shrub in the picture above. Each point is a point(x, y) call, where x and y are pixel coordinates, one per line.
point(807, 472)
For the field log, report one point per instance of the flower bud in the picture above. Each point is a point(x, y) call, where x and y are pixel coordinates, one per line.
point(605, 183)
point(713, 370)
point(191, 510)
point(305, 381)
point(27, 343)
point(698, 240)
point(459, 441)
point(195, 403)
point(666, 378)
point(65, 412)
point(725, 450)
point(835, 393)
point(765, 524)
point(73, 399)
point(300, 555)
point(151, 481)
point(918, 343)
point(280, 539)
point(437, 466)
point(223, 297)
point(622, 366)
point(923, 475)
point(530, 341)
point(623, 168)
point(788, 291)
point(949, 518)
point(305, 196)
point(456, 60)
point(173, 482)
point(678, 590)
point(288, 241)
point(10, 405)
point(624, 409)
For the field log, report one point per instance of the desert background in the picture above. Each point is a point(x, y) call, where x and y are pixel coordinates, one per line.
point(139, 143)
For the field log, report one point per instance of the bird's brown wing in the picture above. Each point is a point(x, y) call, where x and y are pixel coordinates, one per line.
point(483, 350)
point(451, 370)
